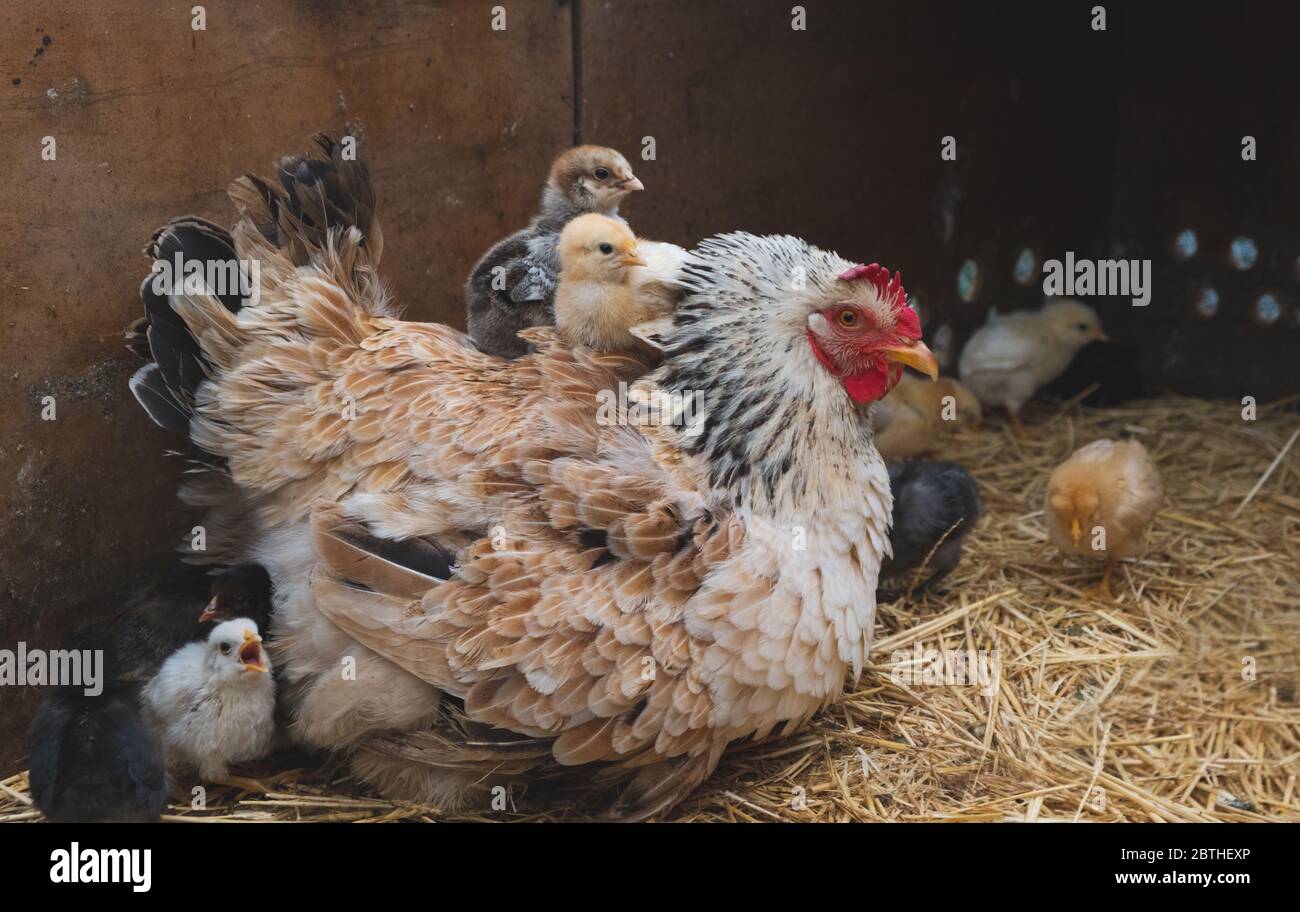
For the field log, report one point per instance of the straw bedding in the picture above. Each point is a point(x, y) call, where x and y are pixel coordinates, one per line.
point(1177, 702)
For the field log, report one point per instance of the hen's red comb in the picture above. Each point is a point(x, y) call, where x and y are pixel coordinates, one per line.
point(891, 291)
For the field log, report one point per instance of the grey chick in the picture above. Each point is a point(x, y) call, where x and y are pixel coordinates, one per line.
point(513, 286)
point(934, 502)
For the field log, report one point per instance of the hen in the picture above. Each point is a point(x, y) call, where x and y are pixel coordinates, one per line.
point(1100, 502)
point(446, 527)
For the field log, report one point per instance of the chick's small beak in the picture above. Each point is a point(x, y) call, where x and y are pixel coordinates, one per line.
point(210, 612)
point(631, 183)
point(633, 258)
point(250, 652)
point(1076, 530)
point(915, 355)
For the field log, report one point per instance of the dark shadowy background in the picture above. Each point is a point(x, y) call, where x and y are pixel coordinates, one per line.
point(1103, 143)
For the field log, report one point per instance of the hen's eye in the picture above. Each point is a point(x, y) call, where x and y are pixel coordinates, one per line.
point(606, 248)
point(225, 649)
point(601, 174)
point(848, 318)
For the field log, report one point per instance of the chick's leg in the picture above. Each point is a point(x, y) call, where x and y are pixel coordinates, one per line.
point(1102, 589)
point(1016, 427)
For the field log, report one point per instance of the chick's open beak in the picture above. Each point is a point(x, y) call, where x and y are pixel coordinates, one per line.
point(210, 612)
point(632, 183)
point(632, 258)
point(915, 355)
point(250, 652)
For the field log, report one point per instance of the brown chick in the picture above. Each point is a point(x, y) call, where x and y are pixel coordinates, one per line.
point(611, 282)
point(911, 419)
point(1100, 502)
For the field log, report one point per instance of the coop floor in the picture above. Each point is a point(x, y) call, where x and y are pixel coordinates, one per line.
point(1176, 702)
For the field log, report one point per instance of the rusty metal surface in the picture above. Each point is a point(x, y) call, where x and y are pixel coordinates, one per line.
point(152, 120)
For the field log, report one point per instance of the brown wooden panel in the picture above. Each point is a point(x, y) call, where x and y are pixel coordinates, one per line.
point(152, 120)
point(1199, 76)
point(834, 133)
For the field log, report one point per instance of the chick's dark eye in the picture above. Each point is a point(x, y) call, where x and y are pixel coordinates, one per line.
point(602, 174)
point(1083, 327)
point(606, 248)
point(225, 649)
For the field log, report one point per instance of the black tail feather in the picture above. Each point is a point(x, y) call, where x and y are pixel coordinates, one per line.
point(150, 390)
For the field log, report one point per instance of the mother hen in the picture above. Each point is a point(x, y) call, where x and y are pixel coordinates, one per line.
point(481, 574)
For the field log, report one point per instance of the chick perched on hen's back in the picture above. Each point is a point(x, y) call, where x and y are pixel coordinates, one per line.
point(1101, 501)
point(610, 281)
point(1010, 357)
point(513, 286)
point(214, 701)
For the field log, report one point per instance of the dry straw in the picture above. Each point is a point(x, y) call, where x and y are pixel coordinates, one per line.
point(1177, 702)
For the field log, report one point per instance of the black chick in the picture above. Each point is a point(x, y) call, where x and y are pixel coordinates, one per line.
point(936, 505)
point(513, 286)
point(95, 759)
point(243, 591)
point(1113, 366)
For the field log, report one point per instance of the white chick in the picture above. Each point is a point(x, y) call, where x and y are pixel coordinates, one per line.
point(214, 702)
point(1011, 356)
point(611, 281)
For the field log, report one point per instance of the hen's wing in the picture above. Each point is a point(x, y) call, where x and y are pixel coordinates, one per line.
point(565, 621)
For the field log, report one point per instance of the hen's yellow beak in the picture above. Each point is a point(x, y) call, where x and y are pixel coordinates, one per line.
point(917, 356)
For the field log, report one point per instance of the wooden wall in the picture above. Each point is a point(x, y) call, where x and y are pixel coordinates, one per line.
point(1067, 139)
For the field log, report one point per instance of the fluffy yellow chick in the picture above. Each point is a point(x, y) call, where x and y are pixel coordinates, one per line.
point(1100, 502)
point(911, 419)
point(1011, 356)
point(610, 282)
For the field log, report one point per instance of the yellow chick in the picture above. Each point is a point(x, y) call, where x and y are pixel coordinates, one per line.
point(1100, 502)
point(912, 418)
point(610, 282)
